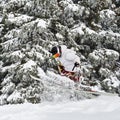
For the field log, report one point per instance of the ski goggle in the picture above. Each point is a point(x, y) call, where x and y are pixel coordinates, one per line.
point(56, 55)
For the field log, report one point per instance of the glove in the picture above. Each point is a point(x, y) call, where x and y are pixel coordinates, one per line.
point(76, 64)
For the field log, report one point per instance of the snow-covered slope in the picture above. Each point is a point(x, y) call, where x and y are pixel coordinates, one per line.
point(102, 108)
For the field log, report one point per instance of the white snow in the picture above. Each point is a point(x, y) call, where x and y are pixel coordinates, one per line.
point(101, 108)
point(82, 29)
point(20, 19)
point(58, 35)
point(78, 30)
point(18, 53)
point(107, 13)
point(109, 33)
point(1, 19)
point(9, 67)
point(73, 7)
point(29, 64)
point(42, 23)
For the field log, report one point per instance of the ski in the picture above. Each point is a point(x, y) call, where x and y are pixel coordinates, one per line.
point(80, 90)
point(74, 89)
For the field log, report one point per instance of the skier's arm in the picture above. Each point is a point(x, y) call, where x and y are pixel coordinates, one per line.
point(73, 57)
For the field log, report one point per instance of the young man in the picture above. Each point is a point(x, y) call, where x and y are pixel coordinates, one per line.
point(68, 62)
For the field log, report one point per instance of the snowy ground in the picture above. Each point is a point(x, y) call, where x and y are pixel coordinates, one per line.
point(101, 108)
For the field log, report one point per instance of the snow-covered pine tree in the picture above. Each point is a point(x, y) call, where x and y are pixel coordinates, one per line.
point(28, 30)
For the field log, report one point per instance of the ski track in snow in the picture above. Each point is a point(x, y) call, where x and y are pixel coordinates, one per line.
point(101, 108)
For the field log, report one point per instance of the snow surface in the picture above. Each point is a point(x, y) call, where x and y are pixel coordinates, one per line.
point(101, 108)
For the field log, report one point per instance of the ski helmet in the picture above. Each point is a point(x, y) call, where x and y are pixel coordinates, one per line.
point(54, 50)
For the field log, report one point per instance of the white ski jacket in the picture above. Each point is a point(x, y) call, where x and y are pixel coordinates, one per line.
point(68, 58)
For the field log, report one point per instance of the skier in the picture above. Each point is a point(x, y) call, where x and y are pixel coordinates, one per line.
point(68, 62)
